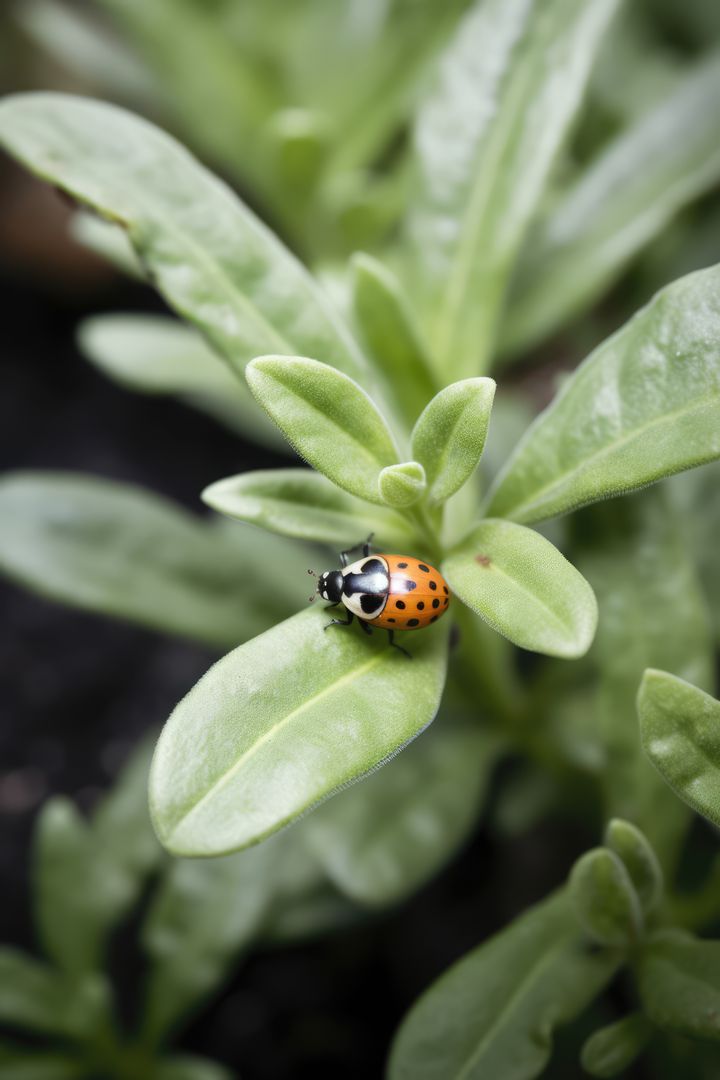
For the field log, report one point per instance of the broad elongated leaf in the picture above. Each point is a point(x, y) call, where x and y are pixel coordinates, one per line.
point(644, 405)
point(449, 436)
point(388, 328)
point(119, 550)
point(107, 240)
point(34, 997)
point(382, 839)
point(328, 418)
point(202, 916)
point(281, 723)
point(668, 157)
point(604, 898)
point(679, 983)
point(493, 1013)
point(157, 355)
point(524, 588)
point(680, 729)
point(609, 1051)
point(509, 86)
point(638, 564)
point(303, 503)
point(212, 260)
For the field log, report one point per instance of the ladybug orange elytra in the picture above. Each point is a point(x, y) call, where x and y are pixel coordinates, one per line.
point(393, 592)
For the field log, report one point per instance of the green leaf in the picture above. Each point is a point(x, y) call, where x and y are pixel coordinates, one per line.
point(614, 1048)
point(604, 899)
point(389, 331)
point(157, 355)
point(625, 197)
point(636, 559)
point(35, 997)
point(281, 723)
point(680, 730)
point(202, 916)
point(190, 1067)
point(508, 88)
point(696, 503)
point(449, 436)
point(639, 859)
point(211, 259)
point(492, 1014)
point(381, 840)
point(678, 981)
point(524, 588)
point(112, 856)
point(402, 485)
point(328, 418)
point(108, 241)
point(302, 503)
point(119, 550)
point(22, 1063)
point(644, 405)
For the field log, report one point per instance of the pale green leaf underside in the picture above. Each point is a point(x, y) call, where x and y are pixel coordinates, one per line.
point(209, 256)
point(680, 731)
point(668, 157)
point(508, 88)
point(381, 840)
point(644, 405)
point(328, 418)
point(524, 588)
point(492, 1014)
point(305, 504)
point(679, 985)
point(281, 723)
point(119, 550)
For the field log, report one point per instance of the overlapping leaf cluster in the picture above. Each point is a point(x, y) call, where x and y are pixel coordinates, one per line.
point(377, 375)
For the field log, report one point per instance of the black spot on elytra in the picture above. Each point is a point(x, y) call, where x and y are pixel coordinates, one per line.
point(433, 585)
point(421, 605)
point(400, 604)
point(410, 585)
point(445, 602)
point(413, 622)
point(445, 589)
point(425, 569)
point(434, 618)
point(391, 620)
point(370, 604)
point(402, 565)
point(436, 602)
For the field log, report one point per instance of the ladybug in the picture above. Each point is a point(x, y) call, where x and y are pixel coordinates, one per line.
point(393, 592)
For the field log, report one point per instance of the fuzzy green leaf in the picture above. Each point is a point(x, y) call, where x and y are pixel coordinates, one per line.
point(509, 86)
point(23, 1063)
point(388, 329)
point(524, 588)
point(382, 839)
point(402, 485)
point(108, 241)
point(644, 405)
point(209, 256)
point(492, 1014)
point(328, 418)
point(663, 161)
point(281, 723)
point(157, 355)
point(639, 859)
point(679, 984)
point(449, 436)
point(119, 550)
point(202, 916)
point(303, 503)
point(614, 1048)
point(604, 898)
point(35, 997)
point(680, 730)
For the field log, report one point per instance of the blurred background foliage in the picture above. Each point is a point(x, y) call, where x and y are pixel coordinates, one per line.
point(304, 108)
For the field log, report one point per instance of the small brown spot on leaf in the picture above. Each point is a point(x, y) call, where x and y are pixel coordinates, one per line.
point(484, 560)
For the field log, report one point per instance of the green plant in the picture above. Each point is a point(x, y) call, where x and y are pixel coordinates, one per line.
point(388, 397)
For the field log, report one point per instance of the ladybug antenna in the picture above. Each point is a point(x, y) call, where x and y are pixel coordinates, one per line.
point(311, 598)
point(312, 573)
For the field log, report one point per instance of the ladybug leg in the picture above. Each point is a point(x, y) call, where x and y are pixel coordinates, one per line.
point(364, 544)
point(393, 642)
point(366, 628)
point(340, 622)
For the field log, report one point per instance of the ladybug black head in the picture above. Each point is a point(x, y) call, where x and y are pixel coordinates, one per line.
point(330, 585)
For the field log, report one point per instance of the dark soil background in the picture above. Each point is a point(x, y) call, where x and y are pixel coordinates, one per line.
point(77, 691)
